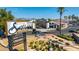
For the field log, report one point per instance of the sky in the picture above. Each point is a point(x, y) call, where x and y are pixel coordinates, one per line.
point(41, 12)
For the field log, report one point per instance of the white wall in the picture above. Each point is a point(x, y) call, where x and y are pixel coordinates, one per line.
point(47, 25)
point(34, 26)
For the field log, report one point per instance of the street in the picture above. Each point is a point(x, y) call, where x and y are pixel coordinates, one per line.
point(64, 31)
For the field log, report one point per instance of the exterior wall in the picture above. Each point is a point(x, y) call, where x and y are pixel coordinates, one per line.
point(54, 26)
point(29, 24)
point(65, 26)
point(47, 25)
point(34, 26)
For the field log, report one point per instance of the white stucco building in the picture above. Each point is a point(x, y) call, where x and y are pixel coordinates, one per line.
point(56, 24)
point(52, 25)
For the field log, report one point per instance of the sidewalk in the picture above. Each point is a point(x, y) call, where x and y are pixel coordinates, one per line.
point(5, 42)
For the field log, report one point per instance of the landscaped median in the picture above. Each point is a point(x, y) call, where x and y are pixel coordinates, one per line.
point(67, 37)
point(41, 45)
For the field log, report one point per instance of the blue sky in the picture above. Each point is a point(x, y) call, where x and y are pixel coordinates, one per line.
point(40, 12)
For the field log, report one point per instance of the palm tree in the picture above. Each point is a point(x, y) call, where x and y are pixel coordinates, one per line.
point(69, 17)
point(65, 17)
point(49, 20)
point(77, 19)
point(60, 10)
point(73, 16)
point(4, 17)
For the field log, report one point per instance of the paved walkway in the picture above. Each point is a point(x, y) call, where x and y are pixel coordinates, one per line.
point(3, 45)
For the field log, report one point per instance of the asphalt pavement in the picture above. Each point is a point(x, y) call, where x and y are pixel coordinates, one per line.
point(64, 31)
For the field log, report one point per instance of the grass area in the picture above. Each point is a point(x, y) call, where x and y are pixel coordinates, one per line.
point(67, 37)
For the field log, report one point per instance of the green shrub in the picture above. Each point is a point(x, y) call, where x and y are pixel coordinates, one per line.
point(21, 50)
point(66, 37)
point(1, 26)
point(67, 44)
point(39, 45)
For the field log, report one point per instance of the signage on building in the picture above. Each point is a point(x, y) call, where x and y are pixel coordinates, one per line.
point(13, 27)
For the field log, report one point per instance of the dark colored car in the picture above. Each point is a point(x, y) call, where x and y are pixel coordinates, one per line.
point(2, 33)
point(34, 31)
point(72, 30)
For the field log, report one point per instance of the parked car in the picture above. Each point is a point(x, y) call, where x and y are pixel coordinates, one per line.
point(2, 33)
point(71, 30)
